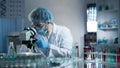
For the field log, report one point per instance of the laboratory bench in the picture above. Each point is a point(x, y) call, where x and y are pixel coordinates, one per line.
point(35, 60)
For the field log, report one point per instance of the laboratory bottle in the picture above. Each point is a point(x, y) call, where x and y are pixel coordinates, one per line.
point(118, 57)
point(73, 50)
point(11, 50)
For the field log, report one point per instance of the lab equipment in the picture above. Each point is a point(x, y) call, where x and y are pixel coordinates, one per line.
point(36, 60)
point(41, 15)
point(23, 60)
point(11, 50)
point(28, 33)
point(27, 36)
point(28, 39)
point(14, 37)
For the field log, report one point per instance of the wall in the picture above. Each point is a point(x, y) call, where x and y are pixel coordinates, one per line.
point(70, 13)
point(11, 20)
point(8, 26)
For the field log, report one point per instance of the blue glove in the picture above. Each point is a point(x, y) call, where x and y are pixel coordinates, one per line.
point(42, 44)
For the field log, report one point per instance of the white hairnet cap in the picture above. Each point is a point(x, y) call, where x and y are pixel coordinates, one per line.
point(40, 15)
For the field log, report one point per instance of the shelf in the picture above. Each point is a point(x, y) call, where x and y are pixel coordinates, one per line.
point(101, 45)
point(108, 11)
point(109, 28)
point(102, 62)
point(100, 53)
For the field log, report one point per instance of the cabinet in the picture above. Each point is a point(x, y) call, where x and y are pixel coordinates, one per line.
point(108, 22)
point(108, 17)
point(107, 50)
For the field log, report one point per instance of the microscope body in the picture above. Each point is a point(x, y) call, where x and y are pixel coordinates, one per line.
point(27, 36)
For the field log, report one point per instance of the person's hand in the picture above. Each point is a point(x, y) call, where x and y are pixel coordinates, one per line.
point(42, 44)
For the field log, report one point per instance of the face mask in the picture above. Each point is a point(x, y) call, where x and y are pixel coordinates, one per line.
point(42, 31)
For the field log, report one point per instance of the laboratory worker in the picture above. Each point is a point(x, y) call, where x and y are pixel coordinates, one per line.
point(54, 40)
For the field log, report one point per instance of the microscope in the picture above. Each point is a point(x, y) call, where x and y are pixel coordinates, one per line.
point(27, 36)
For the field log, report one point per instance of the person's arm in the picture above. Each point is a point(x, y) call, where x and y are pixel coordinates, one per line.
point(66, 45)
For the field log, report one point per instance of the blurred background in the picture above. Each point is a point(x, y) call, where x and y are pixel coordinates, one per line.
point(93, 23)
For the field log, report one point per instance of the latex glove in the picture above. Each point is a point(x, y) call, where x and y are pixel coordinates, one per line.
point(42, 44)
